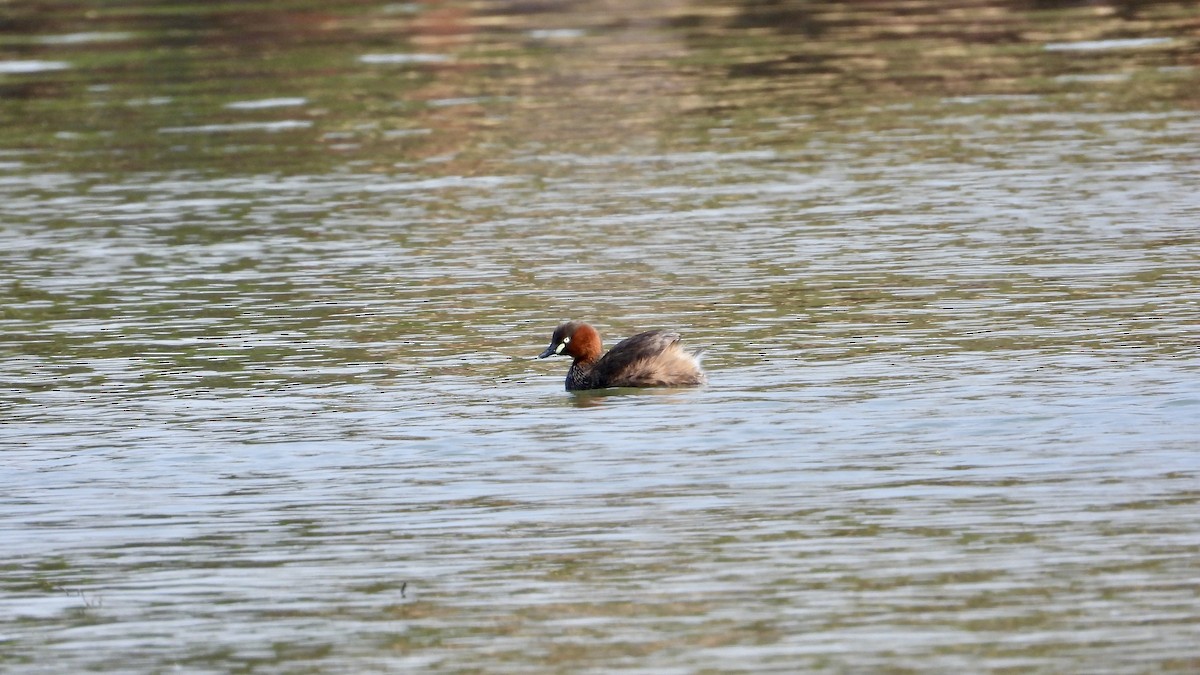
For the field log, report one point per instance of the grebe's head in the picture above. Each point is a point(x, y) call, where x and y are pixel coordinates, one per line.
point(575, 339)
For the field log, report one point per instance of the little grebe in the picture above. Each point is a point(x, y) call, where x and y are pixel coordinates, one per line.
point(651, 359)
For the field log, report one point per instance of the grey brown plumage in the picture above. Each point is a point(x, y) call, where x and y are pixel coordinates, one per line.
point(654, 358)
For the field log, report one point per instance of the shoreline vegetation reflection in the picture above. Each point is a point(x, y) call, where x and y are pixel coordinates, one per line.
point(438, 87)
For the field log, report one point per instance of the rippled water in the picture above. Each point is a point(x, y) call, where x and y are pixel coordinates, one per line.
point(272, 279)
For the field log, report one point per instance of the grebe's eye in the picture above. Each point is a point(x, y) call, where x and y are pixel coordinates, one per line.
point(561, 345)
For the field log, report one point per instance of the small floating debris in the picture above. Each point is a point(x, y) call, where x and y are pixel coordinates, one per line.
point(23, 67)
point(266, 103)
point(1098, 45)
point(402, 8)
point(402, 133)
point(465, 100)
point(148, 101)
point(282, 125)
point(994, 98)
point(403, 59)
point(84, 38)
point(556, 34)
point(1095, 77)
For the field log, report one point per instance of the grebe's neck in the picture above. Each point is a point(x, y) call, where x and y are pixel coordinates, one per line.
point(579, 375)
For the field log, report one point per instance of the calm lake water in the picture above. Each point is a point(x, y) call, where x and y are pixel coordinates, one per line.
point(273, 275)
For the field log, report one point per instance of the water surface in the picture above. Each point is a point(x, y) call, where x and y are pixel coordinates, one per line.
point(272, 276)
